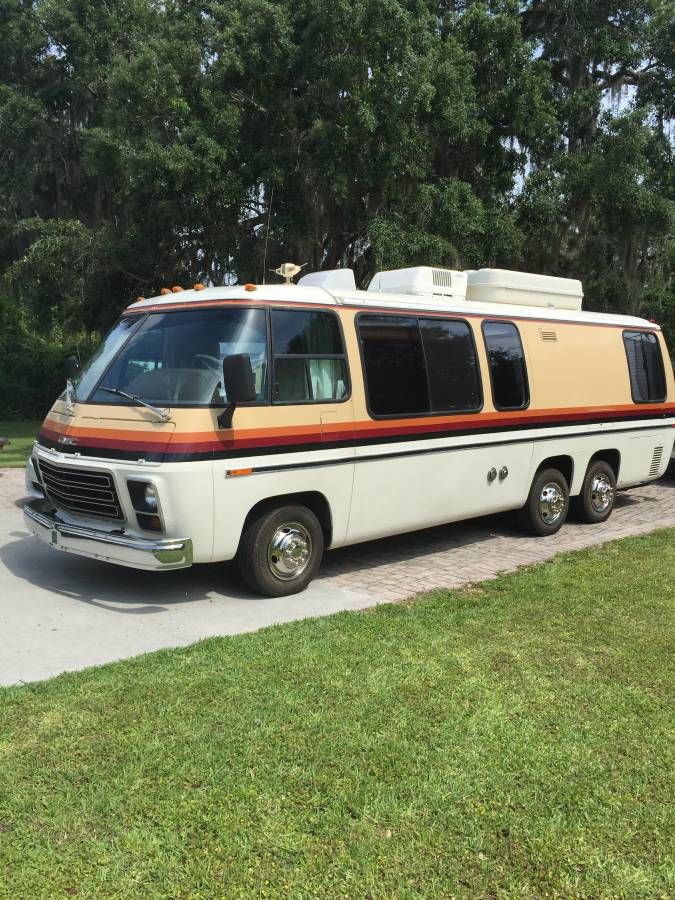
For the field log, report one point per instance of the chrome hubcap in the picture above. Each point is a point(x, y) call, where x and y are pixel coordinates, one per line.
point(289, 551)
point(551, 502)
point(602, 493)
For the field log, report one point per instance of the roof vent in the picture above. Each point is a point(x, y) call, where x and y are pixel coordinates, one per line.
point(331, 279)
point(421, 281)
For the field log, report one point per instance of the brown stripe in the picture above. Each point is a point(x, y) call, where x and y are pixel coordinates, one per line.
point(186, 442)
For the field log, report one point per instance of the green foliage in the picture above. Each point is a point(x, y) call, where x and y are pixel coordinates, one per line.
point(601, 206)
point(21, 434)
point(32, 362)
point(147, 143)
point(511, 740)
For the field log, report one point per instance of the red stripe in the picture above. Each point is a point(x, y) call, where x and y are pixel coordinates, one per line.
point(212, 442)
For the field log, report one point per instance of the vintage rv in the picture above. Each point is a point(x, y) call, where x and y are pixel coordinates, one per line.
point(268, 423)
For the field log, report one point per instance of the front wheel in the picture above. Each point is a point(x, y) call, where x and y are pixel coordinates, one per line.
point(547, 504)
point(598, 493)
point(281, 550)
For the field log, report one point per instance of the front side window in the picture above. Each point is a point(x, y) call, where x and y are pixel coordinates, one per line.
point(176, 358)
point(417, 366)
point(309, 357)
point(645, 367)
point(507, 365)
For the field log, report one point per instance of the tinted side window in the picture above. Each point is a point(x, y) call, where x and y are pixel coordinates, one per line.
point(507, 365)
point(305, 332)
point(309, 361)
point(451, 364)
point(394, 365)
point(645, 367)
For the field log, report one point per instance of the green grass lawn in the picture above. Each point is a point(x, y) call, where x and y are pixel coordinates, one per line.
point(21, 434)
point(514, 739)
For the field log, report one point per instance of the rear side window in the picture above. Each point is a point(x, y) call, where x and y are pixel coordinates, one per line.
point(309, 357)
point(394, 365)
point(418, 366)
point(645, 367)
point(507, 365)
point(451, 365)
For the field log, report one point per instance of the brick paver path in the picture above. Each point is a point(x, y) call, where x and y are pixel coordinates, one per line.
point(455, 555)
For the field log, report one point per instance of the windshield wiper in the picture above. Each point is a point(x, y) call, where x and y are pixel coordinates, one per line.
point(164, 414)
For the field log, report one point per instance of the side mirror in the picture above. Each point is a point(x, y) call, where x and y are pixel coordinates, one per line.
point(72, 367)
point(239, 384)
point(238, 378)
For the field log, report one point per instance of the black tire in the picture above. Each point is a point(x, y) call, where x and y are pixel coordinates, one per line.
point(598, 494)
point(532, 516)
point(288, 530)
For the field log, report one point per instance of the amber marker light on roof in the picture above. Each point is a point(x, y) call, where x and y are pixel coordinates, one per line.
point(198, 287)
point(250, 287)
point(164, 292)
point(176, 289)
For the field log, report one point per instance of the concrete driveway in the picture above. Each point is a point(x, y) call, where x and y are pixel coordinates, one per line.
point(61, 612)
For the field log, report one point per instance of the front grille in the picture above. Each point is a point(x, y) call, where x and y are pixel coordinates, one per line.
point(90, 493)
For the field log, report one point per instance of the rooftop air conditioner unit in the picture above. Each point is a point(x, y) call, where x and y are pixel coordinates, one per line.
point(523, 289)
point(421, 281)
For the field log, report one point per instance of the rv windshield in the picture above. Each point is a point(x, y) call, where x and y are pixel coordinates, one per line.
point(175, 358)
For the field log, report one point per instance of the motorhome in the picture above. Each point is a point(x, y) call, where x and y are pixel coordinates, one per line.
point(268, 423)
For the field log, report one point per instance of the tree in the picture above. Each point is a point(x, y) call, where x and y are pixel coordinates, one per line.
point(146, 143)
point(601, 206)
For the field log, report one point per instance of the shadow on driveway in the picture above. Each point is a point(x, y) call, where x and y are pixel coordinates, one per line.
point(137, 592)
point(115, 588)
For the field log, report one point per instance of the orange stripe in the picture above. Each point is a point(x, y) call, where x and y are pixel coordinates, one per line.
point(196, 437)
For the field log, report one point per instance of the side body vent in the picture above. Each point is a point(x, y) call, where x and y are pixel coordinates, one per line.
point(548, 335)
point(656, 461)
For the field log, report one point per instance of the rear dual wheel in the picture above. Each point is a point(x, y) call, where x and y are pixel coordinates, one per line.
point(547, 503)
point(598, 493)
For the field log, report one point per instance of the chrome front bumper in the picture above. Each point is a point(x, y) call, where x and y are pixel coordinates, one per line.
point(114, 547)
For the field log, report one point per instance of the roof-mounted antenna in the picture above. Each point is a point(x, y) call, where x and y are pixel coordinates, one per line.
point(288, 271)
point(267, 232)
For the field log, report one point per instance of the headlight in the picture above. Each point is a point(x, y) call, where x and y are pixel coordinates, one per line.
point(150, 497)
point(145, 502)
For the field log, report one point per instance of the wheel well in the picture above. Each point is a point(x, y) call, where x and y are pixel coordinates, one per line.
point(611, 457)
point(311, 499)
point(564, 464)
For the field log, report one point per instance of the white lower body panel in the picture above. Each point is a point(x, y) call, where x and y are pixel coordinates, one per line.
point(391, 487)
